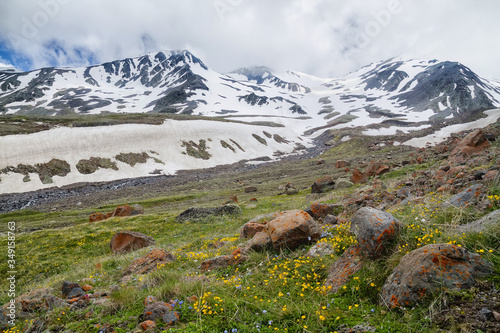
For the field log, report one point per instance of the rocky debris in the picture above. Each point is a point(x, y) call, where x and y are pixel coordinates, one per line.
point(340, 164)
point(71, 290)
point(149, 262)
point(196, 213)
point(430, 269)
point(341, 183)
point(251, 228)
point(484, 223)
point(288, 189)
point(468, 197)
point(37, 300)
point(251, 189)
point(126, 241)
point(119, 211)
point(320, 250)
point(224, 261)
point(233, 198)
point(323, 185)
point(374, 230)
point(358, 177)
point(349, 263)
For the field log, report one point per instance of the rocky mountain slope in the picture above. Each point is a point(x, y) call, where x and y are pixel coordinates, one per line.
point(259, 114)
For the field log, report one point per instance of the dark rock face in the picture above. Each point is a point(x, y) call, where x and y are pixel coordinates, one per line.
point(386, 78)
point(199, 213)
point(430, 269)
point(452, 79)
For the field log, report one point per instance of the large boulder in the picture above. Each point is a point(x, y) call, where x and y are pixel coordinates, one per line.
point(150, 262)
point(292, 229)
point(374, 230)
point(430, 269)
point(343, 268)
point(196, 213)
point(289, 230)
point(126, 241)
point(468, 197)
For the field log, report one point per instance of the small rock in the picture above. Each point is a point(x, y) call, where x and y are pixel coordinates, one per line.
point(486, 314)
point(145, 325)
point(320, 249)
point(330, 220)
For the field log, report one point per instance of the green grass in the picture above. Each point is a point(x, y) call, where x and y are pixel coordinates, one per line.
point(272, 291)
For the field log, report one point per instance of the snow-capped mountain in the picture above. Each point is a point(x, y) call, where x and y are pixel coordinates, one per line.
point(266, 114)
point(407, 92)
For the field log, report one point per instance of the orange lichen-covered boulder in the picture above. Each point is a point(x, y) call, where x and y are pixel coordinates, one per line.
point(343, 268)
point(374, 230)
point(126, 241)
point(96, 217)
point(359, 177)
point(430, 269)
point(292, 229)
point(150, 262)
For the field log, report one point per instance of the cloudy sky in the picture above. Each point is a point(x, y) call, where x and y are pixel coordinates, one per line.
point(326, 38)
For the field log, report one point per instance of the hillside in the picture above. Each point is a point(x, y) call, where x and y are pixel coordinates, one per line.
point(278, 288)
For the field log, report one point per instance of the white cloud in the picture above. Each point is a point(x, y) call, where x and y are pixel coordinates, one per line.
point(320, 37)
